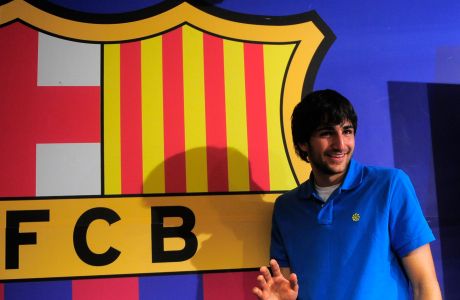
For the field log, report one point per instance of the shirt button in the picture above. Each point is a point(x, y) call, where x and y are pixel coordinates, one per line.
point(322, 205)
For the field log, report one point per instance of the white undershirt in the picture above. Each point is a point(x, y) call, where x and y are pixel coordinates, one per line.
point(325, 191)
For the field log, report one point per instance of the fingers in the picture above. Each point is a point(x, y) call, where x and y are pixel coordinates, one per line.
point(262, 281)
point(293, 282)
point(258, 292)
point(269, 286)
point(263, 284)
point(275, 268)
point(266, 276)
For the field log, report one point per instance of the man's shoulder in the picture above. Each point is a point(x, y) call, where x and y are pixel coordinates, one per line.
point(294, 194)
point(381, 173)
point(359, 174)
point(369, 175)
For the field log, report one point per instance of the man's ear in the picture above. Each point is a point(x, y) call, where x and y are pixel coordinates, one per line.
point(304, 147)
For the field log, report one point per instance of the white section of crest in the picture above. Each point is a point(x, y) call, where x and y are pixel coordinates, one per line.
point(68, 169)
point(66, 63)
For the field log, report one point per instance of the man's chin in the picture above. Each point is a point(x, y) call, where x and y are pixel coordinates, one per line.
point(330, 170)
point(335, 169)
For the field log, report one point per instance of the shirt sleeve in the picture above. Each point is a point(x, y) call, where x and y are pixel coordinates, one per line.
point(277, 249)
point(408, 227)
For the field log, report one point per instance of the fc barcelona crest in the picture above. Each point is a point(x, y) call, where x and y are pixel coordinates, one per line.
point(195, 108)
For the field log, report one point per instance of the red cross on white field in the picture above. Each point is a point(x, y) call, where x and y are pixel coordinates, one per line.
point(31, 114)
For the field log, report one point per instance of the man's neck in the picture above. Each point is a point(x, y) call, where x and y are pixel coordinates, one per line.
point(328, 180)
point(324, 179)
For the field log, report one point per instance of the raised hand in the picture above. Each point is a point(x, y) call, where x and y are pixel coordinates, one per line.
point(276, 286)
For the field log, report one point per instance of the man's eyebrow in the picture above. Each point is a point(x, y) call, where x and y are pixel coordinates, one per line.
point(325, 127)
point(331, 127)
point(349, 126)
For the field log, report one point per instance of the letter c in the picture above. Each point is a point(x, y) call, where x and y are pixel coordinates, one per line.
point(79, 237)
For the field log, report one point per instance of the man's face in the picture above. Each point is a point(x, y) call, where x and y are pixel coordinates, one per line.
point(329, 151)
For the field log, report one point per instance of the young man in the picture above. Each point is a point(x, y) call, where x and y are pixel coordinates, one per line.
point(350, 231)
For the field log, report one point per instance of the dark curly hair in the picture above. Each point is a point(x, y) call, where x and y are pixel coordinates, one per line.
point(319, 108)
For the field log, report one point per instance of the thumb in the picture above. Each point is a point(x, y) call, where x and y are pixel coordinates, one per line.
point(293, 281)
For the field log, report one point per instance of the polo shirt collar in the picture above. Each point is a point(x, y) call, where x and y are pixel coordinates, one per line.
point(353, 179)
point(354, 176)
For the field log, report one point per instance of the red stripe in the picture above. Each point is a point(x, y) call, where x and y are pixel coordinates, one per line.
point(106, 288)
point(256, 117)
point(234, 285)
point(174, 131)
point(216, 138)
point(131, 118)
point(17, 86)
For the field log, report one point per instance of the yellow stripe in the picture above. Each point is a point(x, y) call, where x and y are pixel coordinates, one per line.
point(276, 58)
point(194, 111)
point(152, 116)
point(235, 105)
point(112, 156)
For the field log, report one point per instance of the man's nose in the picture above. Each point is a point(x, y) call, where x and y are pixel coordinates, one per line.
point(339, 142)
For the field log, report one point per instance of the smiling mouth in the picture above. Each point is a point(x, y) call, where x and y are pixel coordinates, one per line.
point(337, 156)
point(341, 154)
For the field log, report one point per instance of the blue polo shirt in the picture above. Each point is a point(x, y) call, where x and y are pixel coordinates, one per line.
point(350, 247)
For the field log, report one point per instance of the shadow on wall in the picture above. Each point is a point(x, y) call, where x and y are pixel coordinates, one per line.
point(225, 222)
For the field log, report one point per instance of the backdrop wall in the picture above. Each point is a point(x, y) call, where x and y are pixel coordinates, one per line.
point(70, 142)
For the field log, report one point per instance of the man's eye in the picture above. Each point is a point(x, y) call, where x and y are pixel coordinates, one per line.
point(348, 131)
point(325, 133)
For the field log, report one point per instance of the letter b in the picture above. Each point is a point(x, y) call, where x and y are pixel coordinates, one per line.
point(159, 233)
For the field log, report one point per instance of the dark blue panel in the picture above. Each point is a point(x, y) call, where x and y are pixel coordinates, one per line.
point(39, 290)
point(171, 287)
point(411, 130)
point(444, 102)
